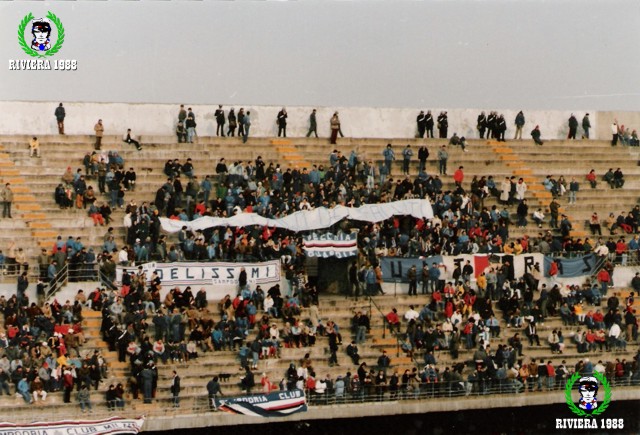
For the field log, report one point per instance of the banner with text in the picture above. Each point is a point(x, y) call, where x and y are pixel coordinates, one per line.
point(114, 425)
point(326, 245)
point(395, 268)
point(216, 274)
point(277, 404)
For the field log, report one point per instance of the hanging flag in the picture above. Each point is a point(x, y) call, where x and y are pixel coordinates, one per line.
point(584, 265)
point(326, 245)
point(113, 425)
point(277, 404)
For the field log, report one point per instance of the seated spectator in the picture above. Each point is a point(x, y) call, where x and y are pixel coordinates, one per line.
point(129, 138)
point(393, 321)
point(34, 147)
point(618, 179)
point(95, 214)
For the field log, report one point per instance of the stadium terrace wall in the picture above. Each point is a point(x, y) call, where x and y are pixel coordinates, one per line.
point(36, 118)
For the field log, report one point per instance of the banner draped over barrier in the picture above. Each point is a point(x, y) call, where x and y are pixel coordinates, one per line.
point(216, 274)
point(572, 267)
point(315, 219)
point(339, 245)
point(395, 268)
point(114, 425)
point(278, 404)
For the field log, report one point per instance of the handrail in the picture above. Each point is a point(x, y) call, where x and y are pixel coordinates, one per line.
point(373, 303)
point(57, 282)
point(199, 404)
point(73, 273)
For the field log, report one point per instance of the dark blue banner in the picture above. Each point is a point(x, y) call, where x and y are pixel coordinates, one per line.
point(572, 267)
point(277, 404)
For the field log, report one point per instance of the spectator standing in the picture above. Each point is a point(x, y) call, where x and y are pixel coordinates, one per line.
point(614, 133)
point(7, 199)
point(190, 124)
point(335, 127)
point(519, 125)
point(246, 125)
point(423, 155)
point(182, 114)
point(281, 120)
point(443, 156)
point(407, 153)
point(443, 125)
point(481, 124)
point(99, 130)
point(60, 114)
point(586, 125)
point(421, 124)
point(389, 157)
point(458, 176)
point(84, 398)
point(574, 187)
point(175, 389)
point(412, 276)
point(23, 284)
point(219, 114)
point(213, 391)
point(429, 123)
point(233, 123)
point(313, 125)
point(573, 127)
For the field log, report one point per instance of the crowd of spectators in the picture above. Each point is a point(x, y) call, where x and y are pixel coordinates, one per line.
point(41, 350)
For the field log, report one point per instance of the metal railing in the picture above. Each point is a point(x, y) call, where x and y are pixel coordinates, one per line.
point(71, 272)
point(372, 304)
point(200, 403)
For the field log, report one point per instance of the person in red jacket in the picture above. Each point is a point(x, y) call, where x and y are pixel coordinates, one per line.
point(553, 271)
point(603, 278)
point(458, 176)
point(393, 320)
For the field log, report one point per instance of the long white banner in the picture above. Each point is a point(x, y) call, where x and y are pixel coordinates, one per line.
point(216, 274)
point(115, 425)
point(315, 219)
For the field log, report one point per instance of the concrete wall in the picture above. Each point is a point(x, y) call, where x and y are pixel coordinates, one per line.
point(605, 119)
point(461, 404)
point(159, 119)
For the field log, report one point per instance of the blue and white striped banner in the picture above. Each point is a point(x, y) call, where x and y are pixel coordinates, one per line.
point(326, 245)
point(277, 404)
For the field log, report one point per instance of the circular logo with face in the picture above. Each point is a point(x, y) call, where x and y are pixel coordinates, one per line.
point(588, 387)
point(41, 37)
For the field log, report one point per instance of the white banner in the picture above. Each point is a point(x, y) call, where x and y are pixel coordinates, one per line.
point(115, 425)
point(315, 219)
point(216, 274)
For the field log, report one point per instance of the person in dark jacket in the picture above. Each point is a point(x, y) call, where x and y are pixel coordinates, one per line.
point(219, 114)
point(535, 134)
point(573, 127)
point(175, 389)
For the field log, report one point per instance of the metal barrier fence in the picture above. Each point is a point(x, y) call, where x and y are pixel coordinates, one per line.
point(200, 404)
